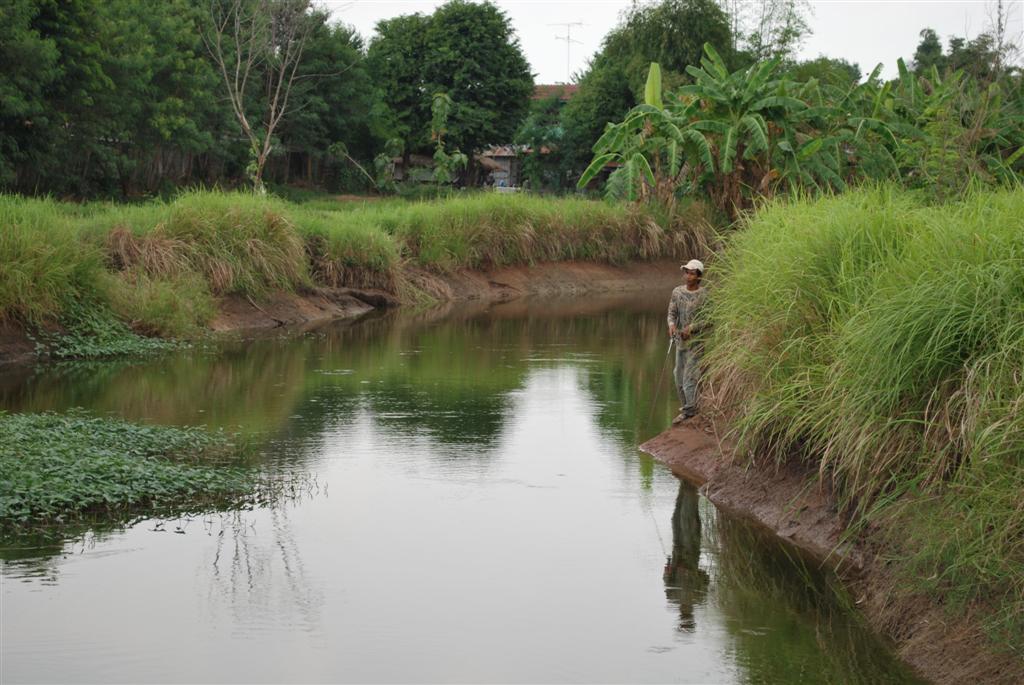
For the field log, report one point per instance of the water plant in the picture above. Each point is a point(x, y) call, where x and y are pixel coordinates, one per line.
point(61, 467)
point(90, 330)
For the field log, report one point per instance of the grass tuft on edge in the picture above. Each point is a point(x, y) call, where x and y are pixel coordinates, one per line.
point(882, 341)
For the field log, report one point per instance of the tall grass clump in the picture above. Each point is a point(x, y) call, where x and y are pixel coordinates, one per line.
point(43, 261)
point(882, 342)
point(490, 229)
point(347, 253)
point(238, 242)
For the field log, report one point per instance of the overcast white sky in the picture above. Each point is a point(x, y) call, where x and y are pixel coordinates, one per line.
point(861, 31)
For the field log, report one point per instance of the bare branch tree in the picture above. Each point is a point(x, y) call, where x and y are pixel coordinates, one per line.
point(250, 39)
point(770, 28)
point(1002, 17)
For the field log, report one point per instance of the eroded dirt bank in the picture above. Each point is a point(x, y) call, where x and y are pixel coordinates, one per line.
point(323, 304)
point(496, 285)
point(799, 508)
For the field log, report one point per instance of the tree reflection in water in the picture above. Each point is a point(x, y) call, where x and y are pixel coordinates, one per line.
point(246, 565)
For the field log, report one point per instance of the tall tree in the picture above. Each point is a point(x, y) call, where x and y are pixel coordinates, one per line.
point(253, 41)
point(66, 145)
point(31, 65)
point(475, 57)
point(671, 33)
point(342, 107)
point(466, 50)
point(929, 53)
point(770, 28)
point(541, 134)
point(978, 56)
point(395, 60)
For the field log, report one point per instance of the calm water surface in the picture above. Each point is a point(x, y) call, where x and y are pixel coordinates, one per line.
point(473, 508)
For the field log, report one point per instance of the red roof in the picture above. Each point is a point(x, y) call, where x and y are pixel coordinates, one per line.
point(562, 91)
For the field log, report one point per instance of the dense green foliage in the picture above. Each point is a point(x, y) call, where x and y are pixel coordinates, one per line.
point(467, 51)
point(89, 329)
point(982, 57)
point(672, 33)
point(59, 467)
point(751, 133)
point(542, 133)
point(336, 102)
point(880, 340)
point(117, 98)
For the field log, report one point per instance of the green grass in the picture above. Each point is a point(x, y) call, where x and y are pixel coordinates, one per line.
point(343, 253)
point(883, 342)
point(490, 229)
point(159, 266)
point(63, 467)
point(237, 242)
point(44, 260)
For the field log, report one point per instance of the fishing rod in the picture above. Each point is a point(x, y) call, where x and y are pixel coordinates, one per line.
point(661, 378)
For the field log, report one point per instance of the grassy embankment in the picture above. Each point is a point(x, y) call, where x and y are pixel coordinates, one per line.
point(882, 342)
point(102, 274)
point(158, 267)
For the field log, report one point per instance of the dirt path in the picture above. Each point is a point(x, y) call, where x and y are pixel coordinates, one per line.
point(799, 508)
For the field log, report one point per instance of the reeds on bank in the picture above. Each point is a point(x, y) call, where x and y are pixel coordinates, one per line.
point(882, 342)
point(159, 265)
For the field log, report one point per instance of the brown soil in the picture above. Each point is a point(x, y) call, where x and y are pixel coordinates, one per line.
point(498, 285)
point(15, 347)
point(799, 508)
point(238, 313)
point(557, 278)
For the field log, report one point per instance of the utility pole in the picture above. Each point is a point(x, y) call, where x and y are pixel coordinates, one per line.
point(568, 46)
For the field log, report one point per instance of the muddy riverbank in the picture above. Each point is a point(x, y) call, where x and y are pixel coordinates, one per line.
point(238, 313)
point(797, 506)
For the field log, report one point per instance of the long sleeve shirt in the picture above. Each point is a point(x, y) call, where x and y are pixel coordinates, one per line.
point(683, 309)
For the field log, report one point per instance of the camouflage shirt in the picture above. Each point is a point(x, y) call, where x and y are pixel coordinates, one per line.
point(684, 310)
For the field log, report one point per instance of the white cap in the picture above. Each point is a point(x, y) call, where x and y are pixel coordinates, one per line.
point(693, 265)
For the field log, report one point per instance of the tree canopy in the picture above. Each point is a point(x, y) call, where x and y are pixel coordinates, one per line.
point(466, 50)
point(116, 98)
point(671, 33)
point(983, 57)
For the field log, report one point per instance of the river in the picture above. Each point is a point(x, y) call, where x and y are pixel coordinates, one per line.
point(471, 507)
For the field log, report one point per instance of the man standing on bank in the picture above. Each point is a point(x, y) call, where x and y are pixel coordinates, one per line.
point(684, 325)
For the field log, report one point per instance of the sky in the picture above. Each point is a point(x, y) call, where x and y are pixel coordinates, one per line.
point(864, 32)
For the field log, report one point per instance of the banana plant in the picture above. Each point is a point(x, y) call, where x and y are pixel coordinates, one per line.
point(743, 134)
point(740, 115)
point(844, 135)
point(651, 149)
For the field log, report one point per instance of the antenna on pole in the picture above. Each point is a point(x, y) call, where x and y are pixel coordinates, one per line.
point(569, 40)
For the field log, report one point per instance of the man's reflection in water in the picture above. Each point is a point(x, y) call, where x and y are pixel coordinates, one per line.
point(686, 584)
